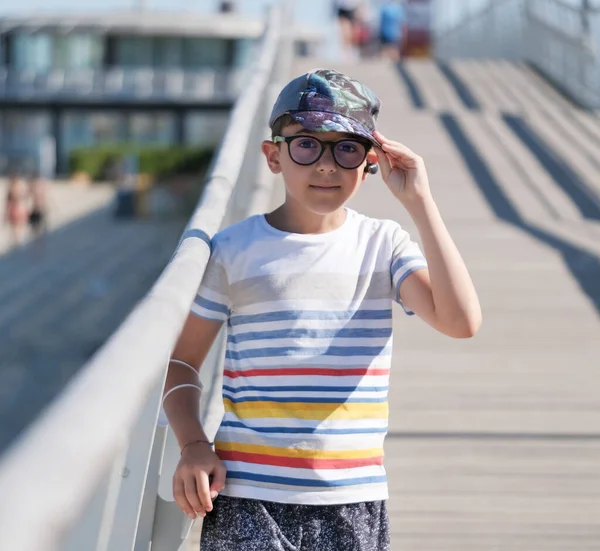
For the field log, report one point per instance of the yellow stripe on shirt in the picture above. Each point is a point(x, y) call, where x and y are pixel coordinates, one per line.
point(308, 411)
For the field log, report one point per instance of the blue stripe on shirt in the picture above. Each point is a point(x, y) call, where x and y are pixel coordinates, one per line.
point(303, 430)
point(288, 481)
point(406, 274)
point(308, 351)
point(196, 233)
point(326, 315)
point(301, 399)
point(403, 261)
point(211, 305)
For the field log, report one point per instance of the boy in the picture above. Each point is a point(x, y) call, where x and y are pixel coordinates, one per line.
point(306, 292)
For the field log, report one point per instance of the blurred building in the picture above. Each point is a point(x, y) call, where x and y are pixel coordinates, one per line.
point(145, 77)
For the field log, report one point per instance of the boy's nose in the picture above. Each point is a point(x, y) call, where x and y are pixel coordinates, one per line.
point(326, 164)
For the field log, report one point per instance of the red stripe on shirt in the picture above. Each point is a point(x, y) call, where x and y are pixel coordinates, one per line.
point(291, 371)
point(298, 462)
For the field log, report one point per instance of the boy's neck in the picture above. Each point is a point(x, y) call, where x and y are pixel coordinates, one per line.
point(290, 219)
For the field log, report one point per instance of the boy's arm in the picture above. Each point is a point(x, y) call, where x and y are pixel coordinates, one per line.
point(443, 295)
point(182, 406)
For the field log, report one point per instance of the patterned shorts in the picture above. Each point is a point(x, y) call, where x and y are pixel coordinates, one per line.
point(237, 524)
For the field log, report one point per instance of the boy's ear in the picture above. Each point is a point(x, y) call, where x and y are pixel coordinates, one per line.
point(372, 157)
point(371, 166)
point(271, 152)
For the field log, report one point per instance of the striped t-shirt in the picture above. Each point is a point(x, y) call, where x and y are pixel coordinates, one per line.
point(309, 344)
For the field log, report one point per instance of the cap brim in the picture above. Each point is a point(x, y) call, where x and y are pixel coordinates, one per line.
point(322, 121)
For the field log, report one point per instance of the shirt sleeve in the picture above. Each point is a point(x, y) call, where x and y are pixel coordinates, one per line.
point(406, 259)
point(213, 299)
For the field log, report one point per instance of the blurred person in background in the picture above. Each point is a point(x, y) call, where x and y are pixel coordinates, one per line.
point(227, 7)
point(365, 31)
point(392, 29)
point(16, 211)
point(346, 12)
point(38, 193)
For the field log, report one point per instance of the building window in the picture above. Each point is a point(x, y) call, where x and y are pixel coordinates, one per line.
point(200, 53)
point(32, 51)
point(244, 52)
point(22, 137)
point(78, 51)
point(168, 53)
point(151, 128)
point(134, 52)
point(205, 128)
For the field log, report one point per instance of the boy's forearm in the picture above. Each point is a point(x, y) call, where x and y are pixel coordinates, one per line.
point(183, 406)
point(454, 297)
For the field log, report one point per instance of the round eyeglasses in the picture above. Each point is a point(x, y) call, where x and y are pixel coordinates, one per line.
point(307, 150)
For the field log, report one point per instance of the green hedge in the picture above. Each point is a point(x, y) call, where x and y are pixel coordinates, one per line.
point(98, 162)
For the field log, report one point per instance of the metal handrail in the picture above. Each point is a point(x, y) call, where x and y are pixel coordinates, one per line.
point(590, 9)
point(497, 4)
point(48, 476)
point(473, 16)
point(573, 62)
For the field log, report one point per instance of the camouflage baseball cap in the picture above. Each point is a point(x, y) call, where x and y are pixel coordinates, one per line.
point(324, 100)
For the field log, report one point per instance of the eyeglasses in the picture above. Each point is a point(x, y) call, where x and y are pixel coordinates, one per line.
point(307, 150)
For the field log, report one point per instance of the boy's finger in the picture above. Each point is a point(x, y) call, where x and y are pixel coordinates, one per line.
point(191, 494)
point(399, 150)
point(203, 490)
point(181, 499)
point(218, 481)
point(384, 163)
point(386, 143)
point(379, 136)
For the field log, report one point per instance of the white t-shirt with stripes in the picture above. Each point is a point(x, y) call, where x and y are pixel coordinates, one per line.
point(309, 343)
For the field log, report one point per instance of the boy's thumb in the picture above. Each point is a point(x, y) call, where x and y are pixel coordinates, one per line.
point(218, 481)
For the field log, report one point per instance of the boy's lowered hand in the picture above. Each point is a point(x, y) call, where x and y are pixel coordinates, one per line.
point(192, 488)
point(403, 171)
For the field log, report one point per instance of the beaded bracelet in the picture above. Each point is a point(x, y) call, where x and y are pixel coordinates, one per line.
point(197, 442)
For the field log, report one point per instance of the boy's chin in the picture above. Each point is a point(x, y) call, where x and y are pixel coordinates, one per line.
point(325, 207)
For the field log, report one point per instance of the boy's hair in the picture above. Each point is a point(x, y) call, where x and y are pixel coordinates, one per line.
point(280, 124)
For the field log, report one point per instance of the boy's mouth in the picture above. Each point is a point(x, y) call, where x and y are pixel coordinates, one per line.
point(325, 188)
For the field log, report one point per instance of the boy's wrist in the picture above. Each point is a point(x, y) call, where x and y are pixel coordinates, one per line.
point(192, 432)
point(418, 207)
point(198, 442)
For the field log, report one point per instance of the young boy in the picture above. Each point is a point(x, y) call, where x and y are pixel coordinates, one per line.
point(307, 292)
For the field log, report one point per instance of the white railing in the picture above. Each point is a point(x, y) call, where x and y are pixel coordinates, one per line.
point(93, 472)
point(122, 84)
point(478, 29)
point(561, 38)
point(562, 41)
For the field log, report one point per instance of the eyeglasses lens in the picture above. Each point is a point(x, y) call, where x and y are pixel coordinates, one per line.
point(347, 153)
point(305, 151)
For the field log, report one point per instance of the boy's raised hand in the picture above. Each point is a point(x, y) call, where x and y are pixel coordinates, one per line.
point(402, 170)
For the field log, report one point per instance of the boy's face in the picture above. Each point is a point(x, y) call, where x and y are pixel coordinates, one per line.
point(323, 187)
